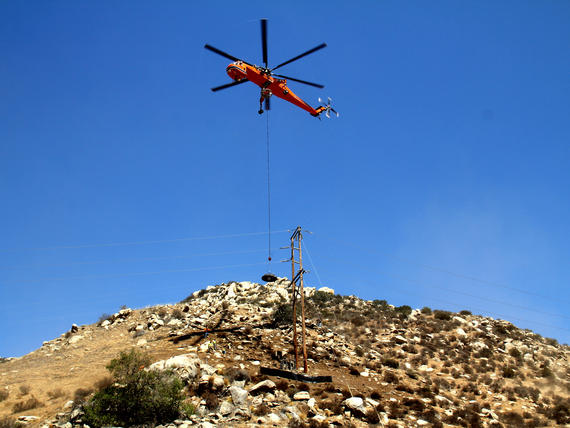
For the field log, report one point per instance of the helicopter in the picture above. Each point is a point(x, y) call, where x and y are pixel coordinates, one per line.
point(270, 83)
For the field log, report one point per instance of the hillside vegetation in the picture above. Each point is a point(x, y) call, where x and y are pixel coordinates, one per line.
point(197, 362)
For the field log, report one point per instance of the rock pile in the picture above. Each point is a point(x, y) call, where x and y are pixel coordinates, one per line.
point(393, 366)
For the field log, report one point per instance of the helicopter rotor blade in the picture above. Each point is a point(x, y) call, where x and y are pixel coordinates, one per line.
point(264, 40)
point(229, 85)
point(310, 51)
point(267, 104)
point(222, 53)
point(316, 85)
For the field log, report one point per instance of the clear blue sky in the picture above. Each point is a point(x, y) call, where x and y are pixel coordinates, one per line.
point(445, 182)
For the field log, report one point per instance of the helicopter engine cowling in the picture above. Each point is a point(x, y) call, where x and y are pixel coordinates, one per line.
point(236, 70)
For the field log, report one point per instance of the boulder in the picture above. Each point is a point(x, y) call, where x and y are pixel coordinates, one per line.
point(75, 339)
point(186, 365)
point(264, 386)
point(326, 290)
point(239, 395)
point(355, 403)
point(226, 408)
point(301, 395)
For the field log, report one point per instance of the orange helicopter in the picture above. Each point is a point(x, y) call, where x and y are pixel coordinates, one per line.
point(270, 83)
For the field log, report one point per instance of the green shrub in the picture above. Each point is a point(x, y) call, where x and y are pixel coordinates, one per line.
point(546, 372)
point(509, 372)
point(81, 394)
point(283, 314)
point(516, 354)
point(442, 315)
point(465, 312)
point(380, 303)
point(390, 362)
point(426, 310)
point(321, 298)
point(137, 396)
point(404, 311)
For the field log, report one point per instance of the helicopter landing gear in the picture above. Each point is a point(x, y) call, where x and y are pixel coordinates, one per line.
point(260, 111)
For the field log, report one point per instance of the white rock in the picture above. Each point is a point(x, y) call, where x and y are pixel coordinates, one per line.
point(301, 395)
point(239, 395)
point(372, 402)
point(141, 342)
point(311, 403)
point(75, 339)
point(246, 285)
point(354, 403)
point(421, 422)
point(326, 290)
point(309, 291)
point(28, 418)
point(273, 418)
point(231, 291)
point(400, 339)
point(459, 319)
point(263, 386)
point(186, 365)
point(226, 408)
point(282, 293)
point(461, 332)
point(105, 323)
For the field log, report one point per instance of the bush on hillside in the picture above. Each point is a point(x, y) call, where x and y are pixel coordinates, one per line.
point(22, 406)
point(404, 311)
point(283, 314)
point(8, 422)
point(137, 396)
point(442, 315)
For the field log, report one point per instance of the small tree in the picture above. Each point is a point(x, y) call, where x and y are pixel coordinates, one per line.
point(137, 396)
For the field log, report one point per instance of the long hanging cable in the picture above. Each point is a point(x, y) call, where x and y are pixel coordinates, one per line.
point(268, 197)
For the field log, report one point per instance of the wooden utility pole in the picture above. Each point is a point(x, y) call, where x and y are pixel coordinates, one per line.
point(297, 286)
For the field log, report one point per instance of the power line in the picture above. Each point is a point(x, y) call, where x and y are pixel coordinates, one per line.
point(120, 244)
point(126, 260)
point(526, 308)
point(438, 269)
point(133, 273)
point(399, 291)
point(458, 292)
point(312, 264)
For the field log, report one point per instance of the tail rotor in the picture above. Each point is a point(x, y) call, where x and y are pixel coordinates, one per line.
point(328, 107)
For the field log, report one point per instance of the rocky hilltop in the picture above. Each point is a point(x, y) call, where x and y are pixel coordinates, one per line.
point(390, 366)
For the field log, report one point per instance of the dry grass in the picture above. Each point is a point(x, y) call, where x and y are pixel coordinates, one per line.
point(55, 393)
point(30, 403)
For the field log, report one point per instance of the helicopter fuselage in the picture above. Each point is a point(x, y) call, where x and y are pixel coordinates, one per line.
point(269, 85)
